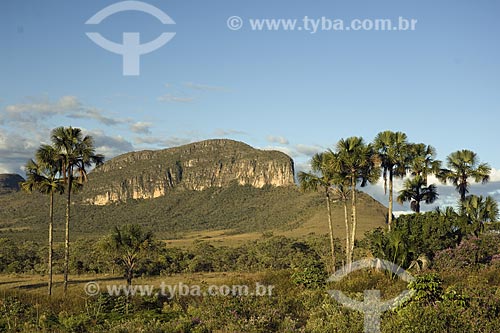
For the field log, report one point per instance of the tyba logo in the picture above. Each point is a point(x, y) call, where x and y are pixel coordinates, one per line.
point(131, 49)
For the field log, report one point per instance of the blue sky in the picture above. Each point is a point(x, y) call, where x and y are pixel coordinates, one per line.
point(294, 91)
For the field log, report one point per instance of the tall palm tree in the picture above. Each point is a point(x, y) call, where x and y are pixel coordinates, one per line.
point(341, 192)
point(76, 155)
point(462, 165)
point(322, 178)
point(480, 210)
point(42, 175)
point(394, 153)
point(423, 160)
point(415, 191)
point(356, 163)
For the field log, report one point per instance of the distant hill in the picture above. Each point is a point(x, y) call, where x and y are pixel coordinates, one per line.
point(197, 189)
point(9, 183)
point(196, 166)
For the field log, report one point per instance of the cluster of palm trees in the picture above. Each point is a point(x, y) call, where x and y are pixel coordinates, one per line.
point(353, 162)
point(338, 173)
point(58, 168)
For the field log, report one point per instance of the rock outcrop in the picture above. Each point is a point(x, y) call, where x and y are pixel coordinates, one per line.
point(196, 166)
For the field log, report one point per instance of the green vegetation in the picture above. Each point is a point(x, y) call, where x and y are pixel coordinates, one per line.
point(43, 176)
point(234, 210)
point(415, 191)
point(462, 165)
point(393, 151)
point(453, 254)
point(128, 245)
point(328, 182)
point(458, 292)
point(73, 154)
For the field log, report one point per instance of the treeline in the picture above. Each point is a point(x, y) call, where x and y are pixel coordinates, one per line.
point(354, 163)
point(90, 256)
point(416, 241)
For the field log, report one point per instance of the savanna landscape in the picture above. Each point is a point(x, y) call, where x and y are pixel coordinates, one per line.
point(291, 237)
point(187, 166)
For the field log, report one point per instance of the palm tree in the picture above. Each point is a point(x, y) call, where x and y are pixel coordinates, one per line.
point(42, 175)
point(423, 160)
point(462, 165)
point(355, 163)
point(480, 210)
point(341, 192)
point(394, 154)
point(129, 244)
point(321, 178)
point(76, 155)
point(415, 191)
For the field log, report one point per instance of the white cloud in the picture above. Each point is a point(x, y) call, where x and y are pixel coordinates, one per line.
point(290, 152)
point(308, 150)
point(277, 139)
point(302, 166)
point(69, 106)
point(33, 121)
point(203, 87)
point(97, 115)
point(141, 127)
point(398, 213)
point(15, 151)
point(495, 175)
point(226, 132)
point(109, 146)
point(175, 99)
point(169, 142)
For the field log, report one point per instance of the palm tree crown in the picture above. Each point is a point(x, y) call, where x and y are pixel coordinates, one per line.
point(423, 160)
point(355, 162)
point(77, 152)
point(416, 190)
point(462, 165)
point(394, 153)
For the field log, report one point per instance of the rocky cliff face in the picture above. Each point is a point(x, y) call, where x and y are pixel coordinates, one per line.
point(10, 183)
point(197, 166)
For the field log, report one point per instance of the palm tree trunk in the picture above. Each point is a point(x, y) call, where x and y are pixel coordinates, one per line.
point(389, 213)
point(66, 244)
point(51, 240)
point(354, 220)
point(130, 276)
point(347, 231)
point(330, 226)
point(463, 190)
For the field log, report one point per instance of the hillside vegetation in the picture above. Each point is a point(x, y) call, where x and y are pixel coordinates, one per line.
point(231, 210)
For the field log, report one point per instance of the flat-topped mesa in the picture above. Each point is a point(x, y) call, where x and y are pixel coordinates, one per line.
point(196, 166)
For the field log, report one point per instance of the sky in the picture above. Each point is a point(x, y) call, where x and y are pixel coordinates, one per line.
point(294, 90)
